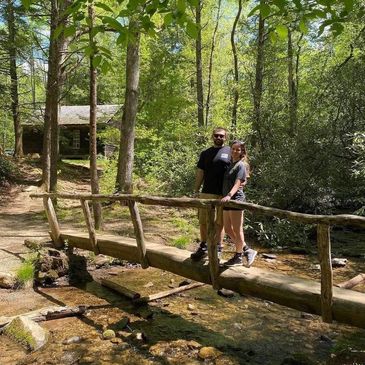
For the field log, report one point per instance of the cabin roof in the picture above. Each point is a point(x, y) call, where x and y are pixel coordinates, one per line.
point(78, 114)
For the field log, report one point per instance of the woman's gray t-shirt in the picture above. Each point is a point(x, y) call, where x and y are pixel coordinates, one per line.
point(235, 171)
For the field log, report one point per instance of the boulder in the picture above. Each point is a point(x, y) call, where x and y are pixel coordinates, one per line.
point(208, 352)
point(7, 280)
point(27, 332)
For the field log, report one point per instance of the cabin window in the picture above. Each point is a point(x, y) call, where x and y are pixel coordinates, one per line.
point(76, 139)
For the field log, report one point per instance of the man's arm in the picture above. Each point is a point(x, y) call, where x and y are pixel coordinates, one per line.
point(199, 177)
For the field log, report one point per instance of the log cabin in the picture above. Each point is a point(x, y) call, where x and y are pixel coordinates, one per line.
point(73, 130)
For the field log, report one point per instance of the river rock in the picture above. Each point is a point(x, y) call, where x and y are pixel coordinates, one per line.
point(148, 285)
point(190, 307)
point(7, 280)
point(226, 293)
point(108, 334)
point(27, 332)
point(208, 352)
point(70, 357)
point(337, 262)
point(269, 256)
point(139, 336)
point(73, 339)
point(185, 282)
point(51, 265)
point(306, 316)
point(101, 261)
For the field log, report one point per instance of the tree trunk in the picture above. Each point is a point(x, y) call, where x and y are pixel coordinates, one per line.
point(18, 132)
point(199, 67)
point(93, 104)
point(258, 89)
point(235, 65)
point(51, 130)
point(207, 105)
point(292, 88)
point(126, 148)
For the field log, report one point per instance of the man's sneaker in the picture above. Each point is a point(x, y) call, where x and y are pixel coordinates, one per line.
point(200, 253)
point(250, 255)
point(236, 260)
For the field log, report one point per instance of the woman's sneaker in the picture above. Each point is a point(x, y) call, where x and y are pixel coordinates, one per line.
point(250, 255)
point(236, 260)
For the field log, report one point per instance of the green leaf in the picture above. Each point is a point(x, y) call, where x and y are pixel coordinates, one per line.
point(88, 51)
point(273, 37)
point(194, 3)
point(349, 5)
point(69, 31)
point(167, 20)
point(105, 67)
point(298, 4)
point(122, 39)
point(303, 26)
point(96, 61)
point(132, 4)
point(337, 28)
point(253, 11)
point(282, 31)
point(96, 30)
point(192, 29)
point(280, 3)
point(104, 7)
point(58, 31)
point(265, 10)
point(319, 13)
point(124, 13)
point(181, 6)
point(113, 23)
point(151, 9)
point(26, 3)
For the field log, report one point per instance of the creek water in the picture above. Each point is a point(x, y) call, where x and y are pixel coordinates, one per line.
point(175, 329)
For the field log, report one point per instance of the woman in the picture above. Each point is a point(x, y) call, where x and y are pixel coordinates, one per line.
point(235, 178)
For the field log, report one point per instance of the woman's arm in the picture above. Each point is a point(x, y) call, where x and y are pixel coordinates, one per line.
point(233, 191)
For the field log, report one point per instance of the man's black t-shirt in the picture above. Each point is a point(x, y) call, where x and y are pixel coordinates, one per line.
point(214, 162)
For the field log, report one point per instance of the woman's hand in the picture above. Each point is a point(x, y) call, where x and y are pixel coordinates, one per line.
point(226, 198)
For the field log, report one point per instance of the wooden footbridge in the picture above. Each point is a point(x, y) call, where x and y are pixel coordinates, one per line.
point(322, 298)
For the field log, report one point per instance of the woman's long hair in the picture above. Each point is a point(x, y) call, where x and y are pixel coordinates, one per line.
point(244, 155)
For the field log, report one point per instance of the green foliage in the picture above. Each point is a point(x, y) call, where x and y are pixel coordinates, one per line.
point(279, 232)
point(181, 242)
point(25, 273)
point(7, 169)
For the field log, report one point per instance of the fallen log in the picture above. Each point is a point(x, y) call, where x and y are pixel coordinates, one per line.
point(120, 289)
point(166, 293)
point(349, 284)
point(47, 314)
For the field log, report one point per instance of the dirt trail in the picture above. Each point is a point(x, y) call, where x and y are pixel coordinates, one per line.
point(20, 218)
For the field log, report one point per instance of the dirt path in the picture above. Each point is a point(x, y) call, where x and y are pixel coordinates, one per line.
point(20, 219)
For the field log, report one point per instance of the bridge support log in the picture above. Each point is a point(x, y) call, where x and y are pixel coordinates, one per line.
point(348, 306)
point(138, 231)
point(53, 222)
point(324, 253)
point(90, 225)
point(212, 248)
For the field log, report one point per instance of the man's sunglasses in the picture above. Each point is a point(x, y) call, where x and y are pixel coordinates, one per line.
point(219, 135)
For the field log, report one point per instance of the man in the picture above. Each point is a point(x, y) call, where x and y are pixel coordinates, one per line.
point(212, 164)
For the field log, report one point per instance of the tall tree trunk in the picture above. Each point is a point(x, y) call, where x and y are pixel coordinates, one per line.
point(258, 89)
point(199, 66)
point(124, 181)
point(18, 132)
point(51, 128)
point(93, 104)
point(32, 79)
point(292, 88)
point(207, 105)
point(235, 65)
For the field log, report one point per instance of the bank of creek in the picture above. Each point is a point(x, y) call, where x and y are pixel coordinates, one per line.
point(193, 327)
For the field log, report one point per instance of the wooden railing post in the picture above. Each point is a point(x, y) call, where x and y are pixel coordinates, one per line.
point(324, 253)
point(90, 226)
point(212, 248)
point(53, 222)
point(138, 231)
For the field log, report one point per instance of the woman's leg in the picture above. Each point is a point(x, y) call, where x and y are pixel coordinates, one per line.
point(228, 225)
point(236, 218)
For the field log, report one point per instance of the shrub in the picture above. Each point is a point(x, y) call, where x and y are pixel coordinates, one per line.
point(7, 169)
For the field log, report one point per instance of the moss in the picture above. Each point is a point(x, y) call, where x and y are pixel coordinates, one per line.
point(17, 332)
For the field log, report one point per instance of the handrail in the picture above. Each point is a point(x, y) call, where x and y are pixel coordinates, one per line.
point(340, 219)
point(323, 223)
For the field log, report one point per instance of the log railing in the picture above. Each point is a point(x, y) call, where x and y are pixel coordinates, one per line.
point(323, 223)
